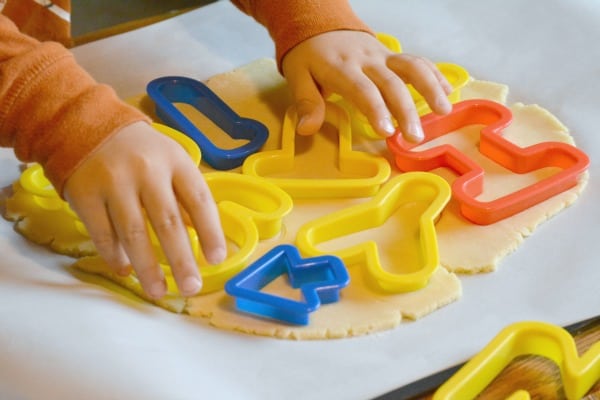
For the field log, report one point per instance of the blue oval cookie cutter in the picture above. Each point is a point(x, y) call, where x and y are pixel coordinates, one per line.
point(166, 91)
point(319, 279)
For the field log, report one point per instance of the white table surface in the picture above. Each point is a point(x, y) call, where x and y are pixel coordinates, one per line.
point(63, 338)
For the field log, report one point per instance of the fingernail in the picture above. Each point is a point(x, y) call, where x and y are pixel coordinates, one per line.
point(301, 128)
point(443, 104)
point(157, 289)
point(387, 126)
point(415, 132)
point(302, 120)
point(448, 87)
point(216, 255)
point(190, 285)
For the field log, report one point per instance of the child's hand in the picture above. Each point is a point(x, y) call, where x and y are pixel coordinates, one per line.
point(137, 173)
point(361, 69)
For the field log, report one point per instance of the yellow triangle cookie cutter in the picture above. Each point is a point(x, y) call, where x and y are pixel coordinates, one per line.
point(362, 173)
point(578, 374)
point(400, 190)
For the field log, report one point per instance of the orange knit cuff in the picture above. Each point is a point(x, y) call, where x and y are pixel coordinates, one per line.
point(293, 21)
point(57, 115)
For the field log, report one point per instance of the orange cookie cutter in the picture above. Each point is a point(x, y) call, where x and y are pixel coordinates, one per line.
point(496, 117)
point(579, 374)
point(368, 172)
point(400, 190)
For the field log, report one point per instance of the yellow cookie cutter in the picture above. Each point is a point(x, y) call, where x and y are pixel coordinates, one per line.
point(36, 192)
point(251, 209)
point(368, 172)
point(400, 190)
point(456, 76)
point(579, 374)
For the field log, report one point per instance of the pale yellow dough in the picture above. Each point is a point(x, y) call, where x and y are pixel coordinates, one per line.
point(258, 91)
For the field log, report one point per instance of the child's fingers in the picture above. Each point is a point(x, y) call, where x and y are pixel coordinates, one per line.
point(129, 223)
point(425, 78)
point(164, 216)
point(399, 101)
point(92, 212)
point(360, 90)
point(197, 202)
point(308, 100)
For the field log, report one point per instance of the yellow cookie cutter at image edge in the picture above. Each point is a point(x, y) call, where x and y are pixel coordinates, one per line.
point(456, 76)
point(401, 190)
point(366, 172)
point(578, 374)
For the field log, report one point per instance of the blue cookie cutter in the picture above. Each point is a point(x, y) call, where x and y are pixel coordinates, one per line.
point(166, 91)
point(319, 279)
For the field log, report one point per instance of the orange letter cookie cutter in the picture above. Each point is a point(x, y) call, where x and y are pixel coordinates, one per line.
point(366, 171)
point(579, 374)
point(469, 184)
point(400, 190)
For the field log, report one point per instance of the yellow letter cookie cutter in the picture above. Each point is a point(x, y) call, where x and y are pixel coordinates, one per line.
point(362, 173)
point(579, 374)
point(400, 190)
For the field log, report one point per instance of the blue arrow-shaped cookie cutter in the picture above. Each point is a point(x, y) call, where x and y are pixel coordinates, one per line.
point(166, 91)
point(318, 278)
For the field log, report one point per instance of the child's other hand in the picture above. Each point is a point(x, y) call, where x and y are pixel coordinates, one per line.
point(361, 69)
point(137, 173)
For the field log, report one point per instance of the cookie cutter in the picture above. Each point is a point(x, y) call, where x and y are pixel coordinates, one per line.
point(251, 209)
point(319, 279)
point(578, 374)
point(366, 171)
point(56, 224)
point(168, 90)
point(401, 190)
point(469, 184)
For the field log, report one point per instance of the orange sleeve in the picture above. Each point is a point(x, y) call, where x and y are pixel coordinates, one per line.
point(290, 22)
point(51, 110)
